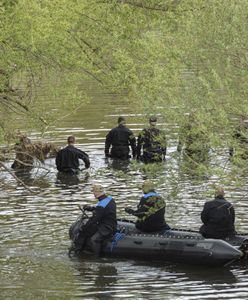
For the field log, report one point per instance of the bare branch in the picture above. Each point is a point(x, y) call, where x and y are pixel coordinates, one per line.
point(2, 165)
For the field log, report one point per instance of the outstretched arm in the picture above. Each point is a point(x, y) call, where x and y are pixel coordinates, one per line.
point(140, 211)
point(84, 156)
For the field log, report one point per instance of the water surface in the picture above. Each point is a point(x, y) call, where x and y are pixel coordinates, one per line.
point(34, 228)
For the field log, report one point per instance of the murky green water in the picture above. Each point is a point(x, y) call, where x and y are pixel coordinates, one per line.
point(34, 229)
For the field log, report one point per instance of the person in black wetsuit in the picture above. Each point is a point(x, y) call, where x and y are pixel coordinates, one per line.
point(153, 143)
point(150, 210)
point(119, 139)
point(218, 217)
point(240, 139)
point(67, 159)
point(194, 139)
point(103, 223)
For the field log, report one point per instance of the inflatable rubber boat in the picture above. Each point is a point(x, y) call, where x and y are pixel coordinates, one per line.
point(172, 245)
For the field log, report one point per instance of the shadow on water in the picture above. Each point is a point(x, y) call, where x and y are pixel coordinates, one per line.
point(106, 274)
point(69, 182)
point(97, 277)
point(207, 275)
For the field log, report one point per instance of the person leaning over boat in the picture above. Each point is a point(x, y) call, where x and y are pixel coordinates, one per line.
point(119, 139)
point(67, 159)
point(152, 141)
point(103, 223)
point(218, 217)
point(150, 210)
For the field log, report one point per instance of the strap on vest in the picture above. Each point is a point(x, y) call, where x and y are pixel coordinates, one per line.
point(150, 195)
point(117, 237)
point(104, 202)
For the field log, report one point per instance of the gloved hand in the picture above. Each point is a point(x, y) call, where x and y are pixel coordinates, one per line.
point(129, 210)
point(88, 207)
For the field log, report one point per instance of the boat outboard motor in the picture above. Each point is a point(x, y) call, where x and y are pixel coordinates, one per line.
point(75, 229)
point(244, 249)
point(78, 224)
point(240, 242)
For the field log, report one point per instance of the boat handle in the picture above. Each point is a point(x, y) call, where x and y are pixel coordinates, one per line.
point(163, 243)
point(138, 242)
point(190, 244)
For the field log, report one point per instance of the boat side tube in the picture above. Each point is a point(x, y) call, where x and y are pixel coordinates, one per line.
point(188, 250)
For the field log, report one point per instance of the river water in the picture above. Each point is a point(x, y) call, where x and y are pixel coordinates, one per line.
point(34, 228)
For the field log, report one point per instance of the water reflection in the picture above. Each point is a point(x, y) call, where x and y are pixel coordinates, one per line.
point(193, 169)
point(33, 177)
point(25, 175)
point(117, 164)
point(97, 277)
point(107, 279)
point(210, 276)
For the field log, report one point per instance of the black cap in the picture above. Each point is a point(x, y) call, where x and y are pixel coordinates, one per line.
point(153, 119)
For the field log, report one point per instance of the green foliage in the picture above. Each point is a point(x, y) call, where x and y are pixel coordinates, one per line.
point(169, 57)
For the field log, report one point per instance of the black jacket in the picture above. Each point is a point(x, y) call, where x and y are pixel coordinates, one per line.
point(120, 138)
point(150, 213)
point(153, 142)
point(103, 219)
point(218, 218)
point(67, 159)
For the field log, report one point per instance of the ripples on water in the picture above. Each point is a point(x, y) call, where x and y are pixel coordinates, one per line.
point(34, 229)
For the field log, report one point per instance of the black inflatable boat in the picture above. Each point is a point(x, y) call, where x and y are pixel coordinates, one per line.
point(172, 245)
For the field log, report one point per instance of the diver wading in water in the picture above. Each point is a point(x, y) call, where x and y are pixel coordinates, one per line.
point(118, 141)
point(152, 142)
point(67, 159)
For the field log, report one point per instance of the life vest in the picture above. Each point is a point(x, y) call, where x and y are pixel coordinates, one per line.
point(104, 202)
point(151, 194)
